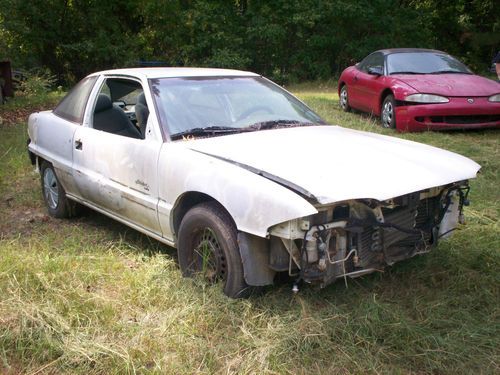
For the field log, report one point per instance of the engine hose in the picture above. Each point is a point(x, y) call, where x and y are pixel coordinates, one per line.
point(302, 252)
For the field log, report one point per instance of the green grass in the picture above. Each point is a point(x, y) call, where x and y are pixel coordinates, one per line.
point(90, 296)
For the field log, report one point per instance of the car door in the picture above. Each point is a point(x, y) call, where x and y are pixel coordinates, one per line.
point(116, 171)
point(365, 86)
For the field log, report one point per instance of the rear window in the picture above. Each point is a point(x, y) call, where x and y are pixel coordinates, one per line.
point(72, 106)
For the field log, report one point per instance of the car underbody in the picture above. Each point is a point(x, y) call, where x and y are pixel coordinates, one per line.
point(357, 237)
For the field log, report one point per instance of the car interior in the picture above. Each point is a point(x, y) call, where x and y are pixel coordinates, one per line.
point(121, 108)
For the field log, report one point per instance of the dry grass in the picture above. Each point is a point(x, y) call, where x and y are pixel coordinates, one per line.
point(91, 296)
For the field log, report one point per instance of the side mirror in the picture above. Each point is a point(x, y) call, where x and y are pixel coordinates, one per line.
point(120, 103)
point(376, 70)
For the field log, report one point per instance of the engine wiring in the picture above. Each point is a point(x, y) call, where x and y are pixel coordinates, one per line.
point(354, 224)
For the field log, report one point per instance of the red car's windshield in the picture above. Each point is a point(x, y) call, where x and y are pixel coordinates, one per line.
point(424, 63)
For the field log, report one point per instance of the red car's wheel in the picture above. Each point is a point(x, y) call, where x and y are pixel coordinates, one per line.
point(344, 99)
point(388, 112)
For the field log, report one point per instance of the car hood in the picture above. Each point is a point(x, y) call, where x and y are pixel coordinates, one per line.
point(331, 163)
point(451, 84)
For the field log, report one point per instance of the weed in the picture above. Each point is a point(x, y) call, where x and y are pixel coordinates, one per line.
point(91, 296)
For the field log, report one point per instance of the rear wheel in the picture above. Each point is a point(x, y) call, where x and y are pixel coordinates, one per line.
point(388, 112)
point(344, 99)
point(208, 247)
point(54, 195)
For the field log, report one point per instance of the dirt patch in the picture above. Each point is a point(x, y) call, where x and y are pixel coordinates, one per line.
point(20, 221)
point(9, 118)
point(12, 116)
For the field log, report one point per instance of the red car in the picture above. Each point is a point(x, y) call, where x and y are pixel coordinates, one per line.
point(419, 89)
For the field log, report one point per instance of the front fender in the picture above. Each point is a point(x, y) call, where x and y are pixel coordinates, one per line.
point(254, 202)
point(401, 90)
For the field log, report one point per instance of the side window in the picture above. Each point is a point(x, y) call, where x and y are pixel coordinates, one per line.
point(72, 106)
point(373, 60)
point(379, 61)
point(121, 108)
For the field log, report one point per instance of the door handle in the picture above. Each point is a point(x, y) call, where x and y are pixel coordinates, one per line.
point(78, 144)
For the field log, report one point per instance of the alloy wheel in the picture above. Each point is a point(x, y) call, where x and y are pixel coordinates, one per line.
point(387, 114)
point(343, 98)
point(51, 188)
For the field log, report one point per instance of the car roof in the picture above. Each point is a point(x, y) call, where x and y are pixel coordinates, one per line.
point(390, 51)
point(160, 72)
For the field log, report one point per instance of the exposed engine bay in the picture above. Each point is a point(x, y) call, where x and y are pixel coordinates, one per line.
point(353, 238)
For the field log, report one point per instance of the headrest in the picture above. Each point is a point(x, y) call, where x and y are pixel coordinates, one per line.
point(141, 99)
point(103, 103)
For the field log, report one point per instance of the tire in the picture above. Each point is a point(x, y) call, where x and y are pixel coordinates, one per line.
point(344, 99)
point(207, 245)
point(388, 112)
point(54, 196)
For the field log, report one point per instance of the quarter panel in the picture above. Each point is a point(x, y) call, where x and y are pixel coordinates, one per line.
point(52, 139)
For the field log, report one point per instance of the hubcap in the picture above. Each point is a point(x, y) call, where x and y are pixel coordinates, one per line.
point(209, 256)
point(387, 114)
point(51, 188)
point(343, 97)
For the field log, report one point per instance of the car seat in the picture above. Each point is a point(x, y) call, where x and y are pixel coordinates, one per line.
point(142, 113)
point(110, 118)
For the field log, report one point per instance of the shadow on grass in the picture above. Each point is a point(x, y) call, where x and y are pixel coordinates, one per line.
point(116, 231)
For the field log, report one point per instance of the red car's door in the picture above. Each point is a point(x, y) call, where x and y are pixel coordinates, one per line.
point(365, 86)
point(369, 88)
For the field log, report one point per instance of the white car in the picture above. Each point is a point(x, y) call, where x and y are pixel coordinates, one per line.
point(243, 178)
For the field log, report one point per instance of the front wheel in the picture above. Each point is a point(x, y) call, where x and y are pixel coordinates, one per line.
point(388, 112)
point(208, 246)
point(54, 196)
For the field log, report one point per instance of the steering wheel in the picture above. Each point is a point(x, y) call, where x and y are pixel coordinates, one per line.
point(257, 108)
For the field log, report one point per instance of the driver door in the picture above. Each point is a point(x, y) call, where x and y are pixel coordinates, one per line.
point(366, 87)
point(116, 169)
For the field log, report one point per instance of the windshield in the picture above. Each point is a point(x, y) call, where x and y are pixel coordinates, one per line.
point(424, 63)
point(226, 105)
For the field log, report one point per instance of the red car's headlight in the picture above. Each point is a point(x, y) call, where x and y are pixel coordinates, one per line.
point(426, 98)
point(494, 98)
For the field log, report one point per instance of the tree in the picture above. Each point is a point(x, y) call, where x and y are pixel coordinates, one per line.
point(282, 39)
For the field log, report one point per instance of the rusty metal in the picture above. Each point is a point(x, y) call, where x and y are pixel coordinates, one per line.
point(6, 84)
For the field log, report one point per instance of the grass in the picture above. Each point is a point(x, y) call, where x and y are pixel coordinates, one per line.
point(90, 296)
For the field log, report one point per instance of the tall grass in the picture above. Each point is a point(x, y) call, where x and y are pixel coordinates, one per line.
point(90, 296)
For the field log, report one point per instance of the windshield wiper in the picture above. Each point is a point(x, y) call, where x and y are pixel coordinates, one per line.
point(277, 124)
point(449, 71)
point(218, 130)
point(408, 72)
point(208, 130)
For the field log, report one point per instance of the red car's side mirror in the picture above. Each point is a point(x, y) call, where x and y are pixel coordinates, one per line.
point(376, 70)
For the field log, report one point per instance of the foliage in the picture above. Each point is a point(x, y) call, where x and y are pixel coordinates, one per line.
point(286, 40)
point(91, 296)
point(70, 38)
point(35, 83)
point(469, 29)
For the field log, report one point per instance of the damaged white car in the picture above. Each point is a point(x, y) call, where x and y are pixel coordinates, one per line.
point(243, 178)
